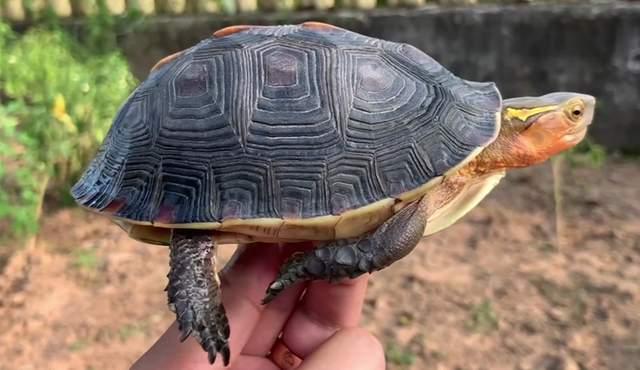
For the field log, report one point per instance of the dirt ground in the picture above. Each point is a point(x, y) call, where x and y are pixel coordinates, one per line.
point(495, 291)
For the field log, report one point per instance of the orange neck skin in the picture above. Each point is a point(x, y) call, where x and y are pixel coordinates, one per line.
point(519, 145)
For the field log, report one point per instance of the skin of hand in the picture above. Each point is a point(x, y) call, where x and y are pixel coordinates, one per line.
point(320, 326)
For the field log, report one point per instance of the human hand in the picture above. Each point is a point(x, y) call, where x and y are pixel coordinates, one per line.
point(321, 328)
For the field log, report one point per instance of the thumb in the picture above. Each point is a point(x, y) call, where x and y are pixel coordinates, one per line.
point(354, 349)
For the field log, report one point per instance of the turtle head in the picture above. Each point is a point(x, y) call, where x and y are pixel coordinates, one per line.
point(535, 128)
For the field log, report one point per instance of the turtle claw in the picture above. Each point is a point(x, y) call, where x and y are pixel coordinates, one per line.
point(226, 355)
point(194, 294)
point(209, 327)
point(215, 347)
point(211, 354)
point(273, 290)
point(292, 271)
point(184, 334)
point(350, 258)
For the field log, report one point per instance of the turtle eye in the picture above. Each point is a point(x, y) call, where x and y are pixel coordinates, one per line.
point(576, 111)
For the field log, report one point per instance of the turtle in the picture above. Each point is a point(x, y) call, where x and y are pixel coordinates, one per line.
point(314, 133)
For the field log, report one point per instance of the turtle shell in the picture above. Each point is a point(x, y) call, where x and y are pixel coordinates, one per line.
point(301, 123)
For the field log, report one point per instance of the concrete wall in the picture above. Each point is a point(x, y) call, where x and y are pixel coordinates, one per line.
point(526, 50)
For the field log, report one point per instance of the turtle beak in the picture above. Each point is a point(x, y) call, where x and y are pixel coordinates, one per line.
point(590, 108)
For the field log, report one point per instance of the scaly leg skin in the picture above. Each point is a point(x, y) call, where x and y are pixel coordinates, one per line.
point(194, 292)
point(393, 240)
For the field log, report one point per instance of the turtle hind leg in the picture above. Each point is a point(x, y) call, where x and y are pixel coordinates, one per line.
point(393, 240)
point(194, 292)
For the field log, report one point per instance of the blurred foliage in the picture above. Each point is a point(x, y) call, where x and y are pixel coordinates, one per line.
point(398, 355)
point(483, 318)
point(86, 259)
point(587, 153)
point(58, 96)
point(133, 329)
point(78, 345)
point(104, 28)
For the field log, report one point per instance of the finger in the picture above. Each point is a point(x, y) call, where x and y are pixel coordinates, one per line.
point(354, 349)
point(168, 353)
point(172, 358)
point(243, 281)
point(252, 363)
point(325, 309)
point(276, 313)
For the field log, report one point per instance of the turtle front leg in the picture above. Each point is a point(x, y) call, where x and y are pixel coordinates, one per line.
point(393, 240)
point(194, 292)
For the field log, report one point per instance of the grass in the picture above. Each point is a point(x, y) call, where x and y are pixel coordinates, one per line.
point(570, 299)
point(398, 355)
point(483, 318)
point(78, 345)
point(437, 355)
point(86, 260)
point(405, 319)
point(547, 247)
point(587, 153)
point(133, 329)
point(87, 266)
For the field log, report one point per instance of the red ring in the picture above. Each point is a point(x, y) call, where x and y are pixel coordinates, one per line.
point(282, 356)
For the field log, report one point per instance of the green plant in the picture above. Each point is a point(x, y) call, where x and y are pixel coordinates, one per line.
point(483, 318)
point(398, 355)
point(228, 6)
point(57, 100)
point(587, 153)
point(86, 259)
point(571, 299)
point(133, 329)
point(405, 319)
point(78, 345)
point(104, 28)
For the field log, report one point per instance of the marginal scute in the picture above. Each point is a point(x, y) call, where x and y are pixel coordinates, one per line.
point(237, 238)
point(352, 181)
point(411, 196)
point(149, 234)
point(264, 227)
point(301, 188)
point(349, 224)
point(114, 206)
point(358, 221)
point(316, 228)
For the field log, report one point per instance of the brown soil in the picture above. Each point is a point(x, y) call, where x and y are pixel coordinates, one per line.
point(495, 291)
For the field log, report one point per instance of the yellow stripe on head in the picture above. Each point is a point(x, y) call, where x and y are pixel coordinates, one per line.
point(523, 114)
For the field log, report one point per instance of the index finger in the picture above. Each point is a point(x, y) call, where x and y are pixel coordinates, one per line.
point(325, 309)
